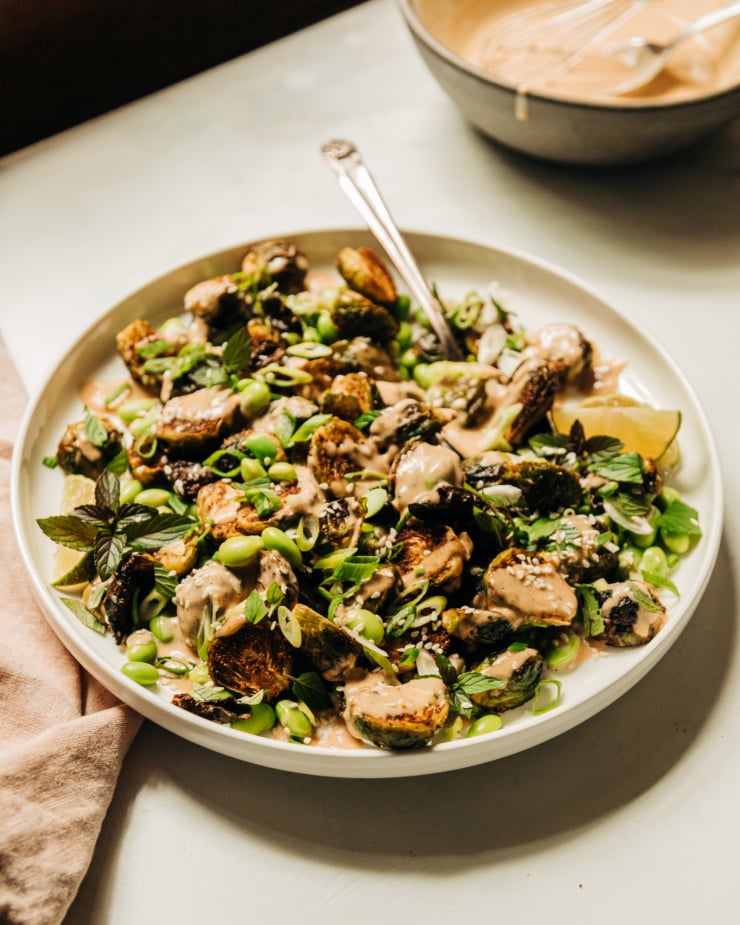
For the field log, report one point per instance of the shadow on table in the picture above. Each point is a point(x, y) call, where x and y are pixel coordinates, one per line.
point(685, 205)
point(510, 807)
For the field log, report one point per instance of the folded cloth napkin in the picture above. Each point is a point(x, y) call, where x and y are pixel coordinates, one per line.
point(63, 737)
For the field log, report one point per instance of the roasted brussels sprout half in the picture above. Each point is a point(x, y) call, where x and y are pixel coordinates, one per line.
point(632, 613)
point(132, 342)
point(350, 396)
point(230, 511)
point(419, 472)
point(209, 590)
point(408, 420)
point(532, 388)
point(544, 486)
point(268, 345)
point(133, 580)
point(218, 301)
point(581, 549)
point(190, 425)
point(365, 355)
point(331, 650)
point(356, 316)
point(88, 446)
point(338, 448)
point(253, 658)
point(446, 503)
point(465, 395)
point(186, 476)
point(566, 349)
point(279, 262)
point(528, 588)
point(433, 553)
point(477, 628)
point(396, 716)
point(364, 271)
point(519, 669)
point(224, 710)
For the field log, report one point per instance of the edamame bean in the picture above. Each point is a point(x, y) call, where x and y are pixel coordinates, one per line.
point(409, 359)
point(654, 562)
point(153, 497)
point(282, 472)
point(404, 337)
point(262, 719)
point(293, 719)
point(366, 624)
point(141, 651)
point(262, 446)
point(676, 542)
point(161, 628)
point(143, 673)
point(129, 490)
point(254, 398)
point(278, 540)
point(252, 469)
point(644, 540)
point(491, 722)
point(326, 328)
point(629, 559)
point(238, 551)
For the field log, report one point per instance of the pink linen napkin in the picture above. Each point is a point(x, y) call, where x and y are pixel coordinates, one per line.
point(63, 737)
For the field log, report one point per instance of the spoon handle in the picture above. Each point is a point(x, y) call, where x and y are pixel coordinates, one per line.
point(357, 183)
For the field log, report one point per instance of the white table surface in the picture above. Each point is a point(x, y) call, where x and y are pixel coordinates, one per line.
point(635, 812)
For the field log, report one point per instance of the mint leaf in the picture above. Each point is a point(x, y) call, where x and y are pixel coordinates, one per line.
point(85, 616)
point(237, 351)
point(254, 607)
point(679, 518)
point(626, 467)
point(590, 611)
point(309, 688)
point(69, 530)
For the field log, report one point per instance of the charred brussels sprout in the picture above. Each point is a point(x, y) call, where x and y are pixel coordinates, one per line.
point(131, 583)
point(544, 485)
point(364, 271)
point(407, 420)
point(350, 396)
point(446, 503)
point(251, 659)
point(331, 651)
point(477, 628)
point(133, 343)
point(356, 316)
point(395, 716)
point(632, 613)
point(191, 425)
point(433, 553)
point(218, 302)
point(279, 262)
point(88, 446)
point(519, 669)
point(531, 588)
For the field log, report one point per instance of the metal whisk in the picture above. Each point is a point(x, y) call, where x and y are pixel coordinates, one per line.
point(548, 39)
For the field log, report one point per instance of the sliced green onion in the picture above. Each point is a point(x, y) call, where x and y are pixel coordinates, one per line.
point(309, 427)
point(549, 701)
point(307, 532)
point(289, 626)
point(332, 560)
point(309, 350)
point(283, 377)
point(355, 568)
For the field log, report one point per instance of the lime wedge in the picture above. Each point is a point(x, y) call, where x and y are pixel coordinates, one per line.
point(73, 569)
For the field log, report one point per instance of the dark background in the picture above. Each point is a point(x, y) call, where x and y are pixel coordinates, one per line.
point(65, 61)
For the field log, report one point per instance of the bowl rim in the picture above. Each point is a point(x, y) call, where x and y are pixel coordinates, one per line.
point(420, 31)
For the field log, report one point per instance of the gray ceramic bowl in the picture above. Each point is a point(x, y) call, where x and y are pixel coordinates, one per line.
point(557, 128)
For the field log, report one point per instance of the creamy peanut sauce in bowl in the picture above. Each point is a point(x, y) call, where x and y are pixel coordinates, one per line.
point(525, 589)
point(555, 64)
point(550, 95)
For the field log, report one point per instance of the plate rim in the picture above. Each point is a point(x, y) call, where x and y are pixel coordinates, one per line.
point(363, 762)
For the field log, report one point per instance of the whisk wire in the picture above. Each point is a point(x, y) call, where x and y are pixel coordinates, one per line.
point(550, 39)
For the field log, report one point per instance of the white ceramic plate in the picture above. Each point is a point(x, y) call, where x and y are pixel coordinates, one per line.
point(538, 294)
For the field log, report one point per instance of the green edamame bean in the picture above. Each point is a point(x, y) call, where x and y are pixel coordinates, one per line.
point(141, 650)
point(409, 359)
point(405, 336)
point(326, 328)
point(282, 472)
point(654, 561)
point(676, 542)
point(491, 722)
point(403, 308)
point(153, 497)
point(161, 628)
point(422, 375)
point(252, 469)
point(366, 624)
point(278, 540)
point(254, 398)
point(264, 447)
point(129, 490)
point(262, 719)
point(143, 673)
point(238, 551)
point(293, 719)
point(669, 495)
point(629, 559)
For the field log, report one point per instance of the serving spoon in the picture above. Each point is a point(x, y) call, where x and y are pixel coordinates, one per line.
point(356, 181)
point(647, 59)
